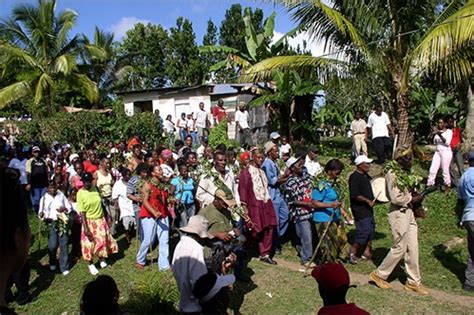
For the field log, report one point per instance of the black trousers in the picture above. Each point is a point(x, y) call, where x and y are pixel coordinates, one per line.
point(21, 280)
point(382, 148)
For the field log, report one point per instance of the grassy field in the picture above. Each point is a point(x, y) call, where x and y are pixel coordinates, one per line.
point(275, 289)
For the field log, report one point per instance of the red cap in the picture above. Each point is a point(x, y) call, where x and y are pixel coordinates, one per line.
point(244, 155)
point(331, 276)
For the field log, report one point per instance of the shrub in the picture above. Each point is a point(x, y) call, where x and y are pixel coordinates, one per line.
point(218, 135)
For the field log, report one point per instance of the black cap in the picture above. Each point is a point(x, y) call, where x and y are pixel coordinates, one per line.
point(313, 148)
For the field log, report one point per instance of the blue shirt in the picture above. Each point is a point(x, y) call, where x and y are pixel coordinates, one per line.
point(272, 172)
point(327, 195)
point(466, 193)
point(184, 189)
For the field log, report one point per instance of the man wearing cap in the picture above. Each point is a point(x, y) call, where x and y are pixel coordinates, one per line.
point(466, 193)
point(404, 230)
point(188, 262)
point(312, 166)
point(37, 175)
point(242, 125)
point(298, 191)
point(275, 180)
point(333, 284)
point(362, 206)
point(275, 138)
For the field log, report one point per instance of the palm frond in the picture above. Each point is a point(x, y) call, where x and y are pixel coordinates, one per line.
point(12, 53)
point(441, 43)
point(263, 70)
point(218, 66)
point(238, 60)
point(64, 64)
point(10, 28)
point(45, 82)
point(65, 22)
point(85, 86)
point(14, 92)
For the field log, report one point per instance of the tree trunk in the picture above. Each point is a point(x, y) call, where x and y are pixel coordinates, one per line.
point(404, 135)
point(469, 131)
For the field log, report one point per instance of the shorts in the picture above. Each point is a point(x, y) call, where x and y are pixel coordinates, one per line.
point(128, 223)
point(365, 230)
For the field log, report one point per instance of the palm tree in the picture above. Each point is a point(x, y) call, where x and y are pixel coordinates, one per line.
point(41, 54)
point(402, 40)
point(99, 62)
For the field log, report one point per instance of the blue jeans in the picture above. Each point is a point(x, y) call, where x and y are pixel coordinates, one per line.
point(282, 214)
point(53, 242)
point(153, 228)
point(182, 133)
point(185, 212)
point(304, 230)
point(35, 196)
point(139, 225)
point(194, 134)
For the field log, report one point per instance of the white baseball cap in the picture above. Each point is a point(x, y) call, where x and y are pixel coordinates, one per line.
point(362, 159)
point(291, 161)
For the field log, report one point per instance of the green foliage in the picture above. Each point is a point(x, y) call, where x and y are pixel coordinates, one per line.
point(428, 106)
point(183, 65)
point(81, 128)
point(218, 135)
point(144, 49)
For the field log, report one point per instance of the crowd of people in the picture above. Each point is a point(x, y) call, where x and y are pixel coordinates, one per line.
point(220, 202)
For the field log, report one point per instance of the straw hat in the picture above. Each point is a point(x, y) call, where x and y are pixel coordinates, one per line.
point(379, 189)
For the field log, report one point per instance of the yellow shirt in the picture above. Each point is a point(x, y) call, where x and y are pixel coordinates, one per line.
point(89, 202)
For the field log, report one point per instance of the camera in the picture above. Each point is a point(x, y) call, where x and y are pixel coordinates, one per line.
point(221, 251)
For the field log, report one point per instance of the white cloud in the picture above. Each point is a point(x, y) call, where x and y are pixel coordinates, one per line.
point(316, 47)
point(126, 23)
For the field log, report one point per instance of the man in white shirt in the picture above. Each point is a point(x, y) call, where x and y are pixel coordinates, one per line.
point(202, 121)
point(188, 262)
point(53, 209)
point(242, 125)
point(312, 166)
point(19, 163)
point(380, 127)
point(124, 204)
point(209, 183)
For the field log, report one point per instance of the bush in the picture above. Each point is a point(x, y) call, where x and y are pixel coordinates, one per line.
point(218, 135)
point(79, 129)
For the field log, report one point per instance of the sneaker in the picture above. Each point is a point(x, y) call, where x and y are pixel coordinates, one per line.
point(420, 289)
point(53, 267)
point(93, 270)
point(352, 259)
point(65, 273)
point(103, 264)
point(381, 283)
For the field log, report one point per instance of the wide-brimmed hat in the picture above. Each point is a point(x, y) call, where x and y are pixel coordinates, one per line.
point(208, 285)
point(226, 197)
point(198, 225)
point(379, 189)
point(268, 146)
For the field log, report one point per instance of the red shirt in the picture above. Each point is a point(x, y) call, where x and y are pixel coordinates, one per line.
point(342, 309)
point(155, 199)
point(89, 167)
point(218, 113)
point(456, 137)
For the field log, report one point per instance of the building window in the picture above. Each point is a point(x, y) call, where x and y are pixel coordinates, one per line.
point(142, 106)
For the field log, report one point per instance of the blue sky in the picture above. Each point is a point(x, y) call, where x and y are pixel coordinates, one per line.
point(118, 16)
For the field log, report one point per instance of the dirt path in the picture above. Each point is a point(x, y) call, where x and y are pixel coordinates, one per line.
point(362, 279)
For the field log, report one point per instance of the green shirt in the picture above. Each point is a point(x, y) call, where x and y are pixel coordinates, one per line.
point(88, 202)
point(218, 221)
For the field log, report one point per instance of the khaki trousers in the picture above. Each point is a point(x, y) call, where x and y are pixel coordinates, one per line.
point(360, 145)
point(405, 245)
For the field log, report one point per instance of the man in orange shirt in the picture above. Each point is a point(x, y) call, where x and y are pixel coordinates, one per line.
point(456, 146)
point(218, 112)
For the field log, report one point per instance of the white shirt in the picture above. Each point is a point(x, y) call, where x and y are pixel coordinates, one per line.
point(285, 148)
point(190, 124)
point(201, 118)
point(242, 118)
point(313, 167)
point(21, 167)
point(378, 125)
point(119, 191)
point(50, 204)
point(206, 188)
point(443, 146)
point(168, 126)
point(167, 170)
point(188, 266)
point(182, 123)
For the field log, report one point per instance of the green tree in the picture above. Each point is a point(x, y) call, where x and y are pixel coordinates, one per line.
point(210, 39)
point(183, 64)
point(41, 54)
point(403, 40)
point(144, 49)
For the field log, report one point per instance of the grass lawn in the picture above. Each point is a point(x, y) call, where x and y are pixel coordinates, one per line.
point(276, 289)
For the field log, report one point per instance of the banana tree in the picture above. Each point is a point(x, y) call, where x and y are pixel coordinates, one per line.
point(403, 40)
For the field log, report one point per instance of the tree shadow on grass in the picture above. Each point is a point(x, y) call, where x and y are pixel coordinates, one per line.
point(43, 280)
point(351, 236)
point(449, 259)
